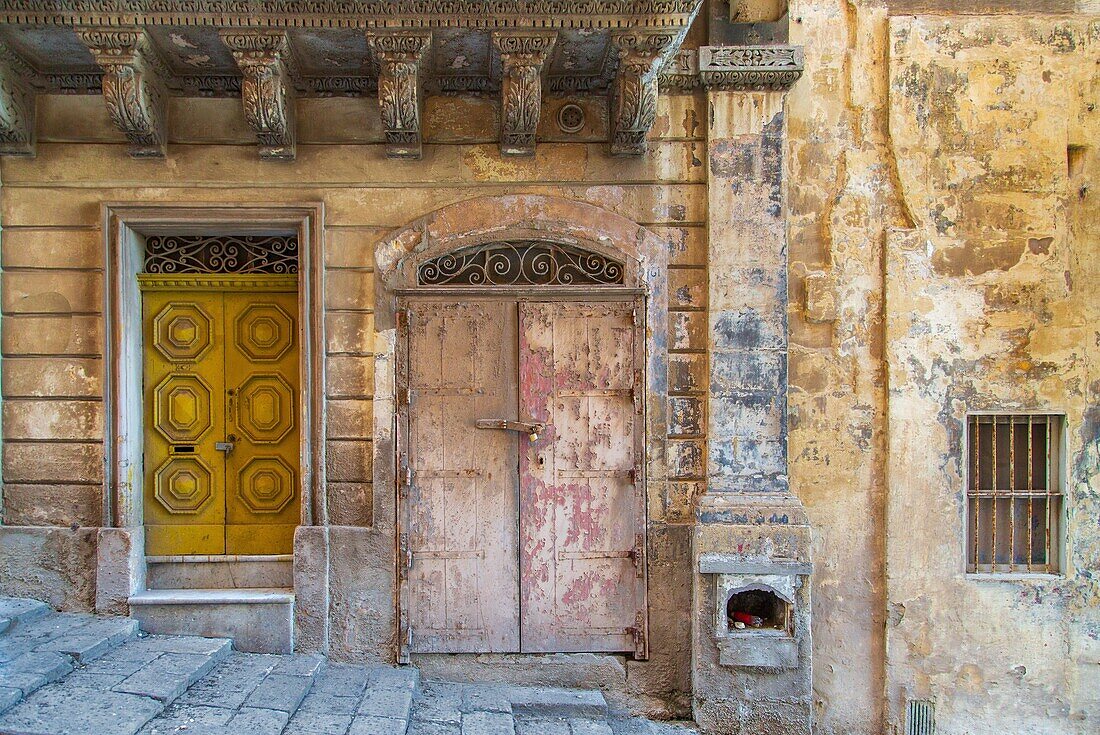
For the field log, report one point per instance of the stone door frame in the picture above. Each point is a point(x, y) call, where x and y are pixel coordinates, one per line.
point(121, 555)
point(483, 220)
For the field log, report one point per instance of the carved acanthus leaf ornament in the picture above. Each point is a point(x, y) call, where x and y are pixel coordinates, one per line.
point(399, 57)
point(523, 57)
point(634, 97)
point(750, 68)
point(16, 105)
point(266, 91)
point(133, 87)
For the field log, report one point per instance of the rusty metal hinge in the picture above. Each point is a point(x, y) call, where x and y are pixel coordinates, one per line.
point(637, 555)
point(405, 553)
point(637, 632)
point(404, 476)
point(409, 636)
point(404, 396)
point(637, 390)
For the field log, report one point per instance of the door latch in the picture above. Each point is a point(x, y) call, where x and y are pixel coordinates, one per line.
point(227, 445)
point(531, 428)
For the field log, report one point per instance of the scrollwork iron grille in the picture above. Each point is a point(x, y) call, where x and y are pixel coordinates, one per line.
point(521, 263)
point(170, 254)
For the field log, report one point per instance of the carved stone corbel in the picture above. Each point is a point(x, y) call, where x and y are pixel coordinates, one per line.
point(133, 87)
point(634, 94)
point(16, 105)
point(523, 57)
point(399, 56)
point(266, 91)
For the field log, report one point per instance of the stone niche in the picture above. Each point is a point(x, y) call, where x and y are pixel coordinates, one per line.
point(752, 663)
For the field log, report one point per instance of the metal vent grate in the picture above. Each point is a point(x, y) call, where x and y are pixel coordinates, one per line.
point(920, 717)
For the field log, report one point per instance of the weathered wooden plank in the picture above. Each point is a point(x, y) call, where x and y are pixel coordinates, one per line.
point(58, 377)
point(349, 376)
point(349, 332)
point(53, 505)
point(52, 292)
point(50, 462)
point(63, 334)
point(349, 461)
point(53, 420)
point(52, 248)
point(347, 206)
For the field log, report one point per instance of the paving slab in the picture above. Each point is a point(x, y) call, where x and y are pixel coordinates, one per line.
point(385, 677)
point(280, 692)
point(230, 684)
point(488, 723)
point(255, 721)
point(92, 639)
point(394, 704)
point(367, 725)
point(169, 675)
point(15, 610)
point(341, 680)
point(9, 697)
point(318, 723)
point(300, 664)
point(187, 718)
point(487, 698)
point(590, 727)
point(542, 726)
point(60, 710)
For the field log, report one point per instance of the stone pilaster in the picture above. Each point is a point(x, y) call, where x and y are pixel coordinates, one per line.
point(752, 541)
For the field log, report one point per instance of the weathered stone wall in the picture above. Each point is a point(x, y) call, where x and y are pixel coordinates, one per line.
point(50, 208)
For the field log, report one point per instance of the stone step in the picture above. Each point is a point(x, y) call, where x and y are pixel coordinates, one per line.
point(219, 572)
point(553, 702)
point(119, 691)
point(15, 610)
point(258, 620)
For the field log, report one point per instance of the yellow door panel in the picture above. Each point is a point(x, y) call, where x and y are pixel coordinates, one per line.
point(261, 368)
point(221, 418)
point(184, 413)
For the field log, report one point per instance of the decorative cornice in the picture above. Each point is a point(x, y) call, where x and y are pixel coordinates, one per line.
point(400, 57)
point(750, 68)
point(266, 91)
point(132, 86)
point(681, 72)
point(634, 93)
point(16, 105)
point(523, 57)
point(364, 14)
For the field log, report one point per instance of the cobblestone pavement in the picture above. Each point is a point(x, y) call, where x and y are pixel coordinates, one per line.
point(75, 674)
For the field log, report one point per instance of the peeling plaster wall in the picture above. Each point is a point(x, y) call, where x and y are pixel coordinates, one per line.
point(943, 256)
point(992, 304)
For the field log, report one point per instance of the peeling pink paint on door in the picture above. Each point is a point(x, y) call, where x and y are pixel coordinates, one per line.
point(581, 507)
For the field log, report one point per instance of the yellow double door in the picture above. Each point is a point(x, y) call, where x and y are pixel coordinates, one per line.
point(221, 392)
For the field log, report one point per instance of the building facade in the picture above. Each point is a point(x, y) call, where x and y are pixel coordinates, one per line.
point(736, 358)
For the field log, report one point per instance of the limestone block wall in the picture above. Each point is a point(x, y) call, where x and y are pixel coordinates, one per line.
point(52, 250)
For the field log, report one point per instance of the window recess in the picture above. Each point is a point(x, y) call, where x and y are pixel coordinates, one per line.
point(1014, 493)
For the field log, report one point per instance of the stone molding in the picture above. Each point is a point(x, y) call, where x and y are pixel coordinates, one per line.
point(17, 106)
point(523, 57)
point(266, 91)
point(634, 93)
point(568, 14)
point(750, 68)
point(401, 89)
point(133, 86)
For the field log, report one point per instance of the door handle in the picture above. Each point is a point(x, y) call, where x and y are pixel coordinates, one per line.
point(531, 428)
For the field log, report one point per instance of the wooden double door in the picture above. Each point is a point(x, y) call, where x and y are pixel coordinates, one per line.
point(221, 391)
point(521, 492)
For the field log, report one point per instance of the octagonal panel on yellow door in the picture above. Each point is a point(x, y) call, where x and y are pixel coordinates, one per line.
point(183, 485)
point(181, 408)
point(265, 332)
point(266, 485)
point(182, 332)
point(265, 408)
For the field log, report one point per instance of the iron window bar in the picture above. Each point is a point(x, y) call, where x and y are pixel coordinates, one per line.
point(1014, 496)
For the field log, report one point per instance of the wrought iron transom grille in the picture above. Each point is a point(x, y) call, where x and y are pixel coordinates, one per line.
point(521, 263)
point(170, 254)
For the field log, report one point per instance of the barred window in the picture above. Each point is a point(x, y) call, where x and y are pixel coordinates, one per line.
point(1014, 493)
